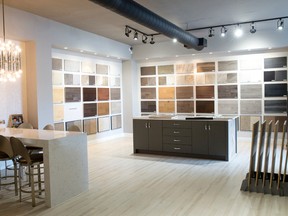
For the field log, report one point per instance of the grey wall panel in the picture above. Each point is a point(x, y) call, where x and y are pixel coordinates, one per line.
point(227, 91)
point(275, 106)
point(250, 107)
point(227, 65)
point(228, 107)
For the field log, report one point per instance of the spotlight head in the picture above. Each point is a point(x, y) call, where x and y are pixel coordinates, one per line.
point(238, 31)
point(135, 35)
point(280, 24)
point(175, 40)
point(152, 40)
point(223, 31)
point(211, 32)
point(127, 31)
point(253, 29)
point(144, 39)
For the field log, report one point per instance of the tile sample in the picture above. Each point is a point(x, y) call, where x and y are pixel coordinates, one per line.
point(57, 78)
point(246, 122)
point(148, 106)
point(227, 91)
point(275, 106)
point(58, 112)
point(78, 123)
point(251, 91)
point(114, 81)
point(185, 107)
point(206, 67)
point(275, 90)
point(166, 80)
point(116, 122)
point(103, 109)
point(184, 92)
point(251, 64)
point(57, 64)
point(58, 95)
point(88, 80)
point(71, 66)
point(185, 80)
point(103, 94)
point(103, 124)
point(148, 93)
point(166, 92)
point(88, 67)
point(89, 94)
point(167, 106)
point(115, 93)
point(278, 62)
point(166, 69)
point(205, 92)
point(205, 79)
point(270, 76)
point(115, 107)
point(227, 65)
point(72, 79)
point(89, 109)
point(250, 76)
point(184, 68)
point(148, 81)
point(227, 107)
point(204, 106)
point(146, 71)
point(101, 81)
point(102, 69)
point(72, 94)
point(281, 120)
point(250, 107)
point(90, 126)
point(59, 126)
point(224, 78)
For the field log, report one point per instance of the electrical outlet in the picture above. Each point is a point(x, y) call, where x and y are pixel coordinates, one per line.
point(2, 121)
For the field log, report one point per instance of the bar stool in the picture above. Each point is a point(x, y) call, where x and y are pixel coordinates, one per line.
point(24, 159)
point(74, 128)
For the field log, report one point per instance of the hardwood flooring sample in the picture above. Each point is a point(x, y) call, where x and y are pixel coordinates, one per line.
point(148, 93)
point(275, 106)
point(227, 91)
point(277, 62)
point(89, 94)
point(102, 69)
point(103, 124)
point(59, 126)
point(116, 107)
point(185, 107)
point(90, 126)
point(281, 120)
point(227, 78)
point(185, 80)
point(72, 79)
point(167, 106)
point(205, 92)
point(271, 76)
point(205, 79)
point(103, 109)
point(205, 107)
point(89, 110)
point(184, 68)
point(166, 69)
point(87, 80)
point(166, 92)
point(57, 78)
point(148, 106)
point(251, 91)
point(58, 95)
point(184, 92)
point(103, 94)
point(227, 65)
point(78, 123)
point(57, 64)
point(275, 90)
point(88, 67)
point(148, 81)
point(58, 112)
point(71, 66)
point(116, 122)
point(250, 107)
point(101, 81)
point(227, 107)
point(206, 67)
point(166, 80)
point(72, 94)
point(146, 71)
point(115, 93)
point(246, 122)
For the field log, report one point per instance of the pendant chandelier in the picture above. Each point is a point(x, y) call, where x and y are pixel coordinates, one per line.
point(10, 57)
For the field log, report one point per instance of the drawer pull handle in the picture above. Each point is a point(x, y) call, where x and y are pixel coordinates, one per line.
point(176, 140)
point(177, 148)
point(176, 132)
point(175, 124)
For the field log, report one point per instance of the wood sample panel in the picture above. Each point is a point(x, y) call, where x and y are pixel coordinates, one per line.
point(228, 107)
point(205, 92)
point(185, 80)
point(89, 94)
point(115, 93)
point(88, 67)
point(89, 110)
point(90, 126)
point(206, 67)
point(166, 92)
point(101, 81)
point(281, 120)
point(72, 66)
point(58, 112)
point(147, 71)
point(278, 62)
point(275, 90)
point(72, 79)
point(166, 80)
point(103, 124)
point(148, 106)
point(103, 109)
point(72, 94)
point(226, 78)
point(227, 65)
point(185, 107)
point(275, 106)
point(102, 69)
point(115, 107)
point(251, 91)
point(59, 126)
point(166, 69)
point(205, 79)
point(57, 64)
point(87, 80)
point(103, 94)
point(205, 106)
point(184, 68)
point(77, 123)
point(167, 106)
point(271, 76)
point(227, 91)
point(184, 92)
point(246, 122)
point(58, 95)
point(148, 81)
point(250, 107)
point(57, 78)
point(148, 93)
point(116, 122)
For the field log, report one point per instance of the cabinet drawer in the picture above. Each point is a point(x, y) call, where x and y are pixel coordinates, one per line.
point(177, 124)
point(176, 148)
point(176, 132)
point(177, 140)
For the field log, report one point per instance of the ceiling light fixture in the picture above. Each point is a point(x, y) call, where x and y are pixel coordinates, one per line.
point(175, 40)
point(253, 29)
point(211, 32)
point(223, 31)
point(280, 24)
point(135, 35)
point(238, 31)
point(152, 40)
point(144, 38)
point(127, 31)
point(10, 57)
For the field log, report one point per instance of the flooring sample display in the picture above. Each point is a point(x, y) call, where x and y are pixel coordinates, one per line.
point(251, 64)
point(185, 80)
point(206, 67)
point(58, 95)
point(251, 91)
point(227, 107)
point(88, 67)
point(90, 109)
point(116, 122)
point(146, 71)
point(184, 92)
point(102, 69)
point(148, 106)
point(72, 79)
point(87, 80)
point(166, 80)
point(89, 94)
point(281, 120)
point(166, 69)
point(246, 122)
point(58, 112)
point(204, 106)
point(227, 91)
point(167, 106)
point(205, 79)
point(115, 93)
point(250, 107)
point(270, 76)
point(184, 68)
point(57, 78)
point(223, 78)
point(77, 123)
point(278, 62)
point(251, 76)
point(114, 81)
point(101, 81)
point(90, 126)
point(57, 64)
point(72, 66)
point(115, 107)
point(275, 106)
point(103, 94)
point(185, 107)
point(166, 92)
point(59, 126)
point(227, 65)
point(148, 81)
point(72, 94)
point(73, 111)
point(204, 91)
point(148, 93)
point(103, 109)
point(103, 124)
point(275, 90)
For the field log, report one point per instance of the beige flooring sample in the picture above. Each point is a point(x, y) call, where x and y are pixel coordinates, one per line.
point(246, 122)
point(102, 69)
point(225, 78)
point(227, 107)
point(228, 65)
point(58, 95)
point(184, 68)
point(57, 78)
point(71, 65)
point(116, 122)
point(166, 69)
point(88, 67)
point(148, 93)
point(58, 112)
point(185, 80)
point(103, 124)
point(57, 64)
point(166, 80)
point(250, 106)
point(88, 80)
point(103, 109)
point(206, 67)
point(90, 126)
point(166, 92)
point(148, 81)
point(116, 107)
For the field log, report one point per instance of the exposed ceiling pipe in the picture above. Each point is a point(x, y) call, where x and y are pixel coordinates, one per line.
point(136, 12)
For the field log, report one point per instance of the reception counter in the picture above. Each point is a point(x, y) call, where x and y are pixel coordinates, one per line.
point(65, 161)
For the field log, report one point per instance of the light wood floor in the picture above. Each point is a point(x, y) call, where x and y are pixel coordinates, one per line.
point(121, 183)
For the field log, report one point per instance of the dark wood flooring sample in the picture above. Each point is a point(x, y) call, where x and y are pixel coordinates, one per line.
point(72, 94)
point(90, 109)
point(205, 106)
point(146, 71)
point(184, 92)
point(275, 106)
point(206, 67)
point(281, 120)
point(89, 94)
point(185, 106)
point(278, 62)
point(103, 94)
point(148, 93)
point(275, 90)
point(205, 92)
point(148, 106)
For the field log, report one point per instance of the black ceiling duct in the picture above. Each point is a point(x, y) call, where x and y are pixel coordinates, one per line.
point(136, 12)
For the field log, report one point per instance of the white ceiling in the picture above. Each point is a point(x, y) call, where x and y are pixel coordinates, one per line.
point(91, 17)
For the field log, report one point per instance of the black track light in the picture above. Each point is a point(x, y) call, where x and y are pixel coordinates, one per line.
point(144, 39)
point(253, 29)
point(280, 24)
point(135, 35)
point(223, 31)
point(152, 40)
point(127, 31)
point(211, 32)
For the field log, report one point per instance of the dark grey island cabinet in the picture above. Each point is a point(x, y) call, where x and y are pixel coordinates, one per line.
point(210, 139)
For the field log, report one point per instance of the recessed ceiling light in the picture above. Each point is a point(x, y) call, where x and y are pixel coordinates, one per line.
point(65, 48)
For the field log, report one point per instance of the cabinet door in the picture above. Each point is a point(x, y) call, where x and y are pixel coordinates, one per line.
point(200, 138)
point(155, 135)
point(218, 138)
point(140, 134)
